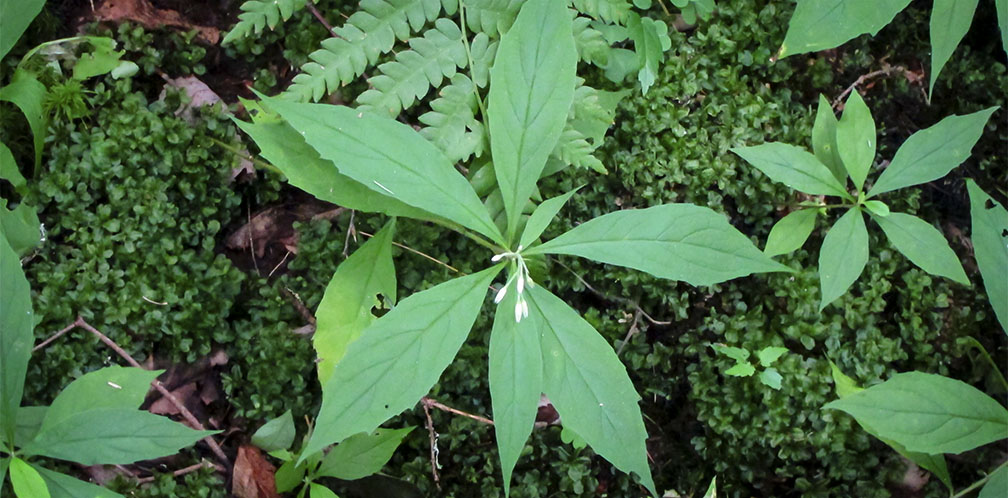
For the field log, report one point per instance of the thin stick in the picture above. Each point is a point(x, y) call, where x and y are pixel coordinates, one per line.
point(186, 414)
point(418, 253)
point(634, 328)
point(885, 71)
point(318, 15)
point(428, 402)
point(433, 446)
point(183, 471)
point(351, 232)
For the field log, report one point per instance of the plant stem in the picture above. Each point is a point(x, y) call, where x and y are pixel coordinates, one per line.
point(979, 483)
point(465, 43)
point(255, 160)
point(983, 351)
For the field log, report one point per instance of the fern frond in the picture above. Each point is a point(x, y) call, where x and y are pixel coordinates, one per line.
point(591, 44)
point(451, 123)
point(613, 11)
point(367, 35)
point(483, 52)
point(258, 14)
point(410, 76)
point(491, 16)
point(574, 149)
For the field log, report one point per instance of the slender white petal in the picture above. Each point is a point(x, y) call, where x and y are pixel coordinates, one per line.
point(524, 305)
point(497, 257)
point(521, 282)
point(518, 311)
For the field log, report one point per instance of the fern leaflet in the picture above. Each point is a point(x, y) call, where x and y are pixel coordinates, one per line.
point(574, 149)
point(491, 16)
point(614, 11)
point(451, 123)
point(409, 77)
point(367, 34)
point(258, 14)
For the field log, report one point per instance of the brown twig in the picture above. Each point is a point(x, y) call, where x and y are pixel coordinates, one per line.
point(318, 15)
point(433, 446)
point(885, 71)
point(634, 328)
point(186, 414)
point(183, 471)
point(429, 402)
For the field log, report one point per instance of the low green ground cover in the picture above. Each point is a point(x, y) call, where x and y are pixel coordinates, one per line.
point(136, 202)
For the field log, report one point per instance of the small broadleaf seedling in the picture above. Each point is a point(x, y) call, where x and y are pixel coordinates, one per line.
point(845, 148)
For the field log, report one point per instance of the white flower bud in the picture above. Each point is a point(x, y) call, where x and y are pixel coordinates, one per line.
point(500, 294)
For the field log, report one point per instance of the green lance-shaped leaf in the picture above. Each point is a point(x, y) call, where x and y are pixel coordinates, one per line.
point(390, 158)
point(845, 386)
point(843, 256)
point(16, 323)
point(28, 94)
point(792, 166)
point(997, 483)
point(516, 379)
point(29, 421)
point(824, 142)
point(950, 20)
point(589, 386)
point(931, 153)
point(542, 216)
point(1002, 17)
point(26, 481)
point(285, 148)
point(791, 232)
point(990, 246)
point(821, 24)
point(922, 244)
point(9, 169)
point(928, 413)
point(362, 454)
point(110, 387)
point(398, 358)
point(112, 436)
point(345, 310)
point(12, 25)
point(856, 139)
point(64, 486)
point(674, 241)
point(531, 89)
point(277, 434)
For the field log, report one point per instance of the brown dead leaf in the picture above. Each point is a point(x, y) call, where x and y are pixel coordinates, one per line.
point(253, 476)
point(142, 12)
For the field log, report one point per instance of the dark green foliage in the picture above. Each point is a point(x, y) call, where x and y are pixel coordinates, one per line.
point(132, 200)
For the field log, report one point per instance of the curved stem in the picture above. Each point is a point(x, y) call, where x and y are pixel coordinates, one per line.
point(983, 351)
point(469, 58)
point(979, 483)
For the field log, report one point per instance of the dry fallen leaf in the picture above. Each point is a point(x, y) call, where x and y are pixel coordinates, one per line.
point(142, 12)
point(253, 476)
